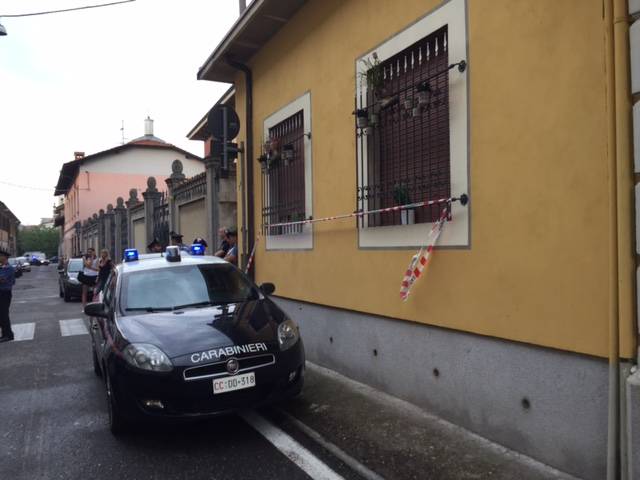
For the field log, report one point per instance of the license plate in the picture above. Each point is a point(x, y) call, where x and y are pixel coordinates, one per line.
point(237, 382)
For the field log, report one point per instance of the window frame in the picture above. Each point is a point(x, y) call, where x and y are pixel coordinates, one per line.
point(299, 240)
point(457, 231)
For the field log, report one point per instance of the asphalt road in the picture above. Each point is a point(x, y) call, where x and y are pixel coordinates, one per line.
point(53, 421)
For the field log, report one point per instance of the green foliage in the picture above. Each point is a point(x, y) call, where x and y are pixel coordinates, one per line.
point(38, 239)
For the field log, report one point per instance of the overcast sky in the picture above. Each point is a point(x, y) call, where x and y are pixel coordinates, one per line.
point(68, 80)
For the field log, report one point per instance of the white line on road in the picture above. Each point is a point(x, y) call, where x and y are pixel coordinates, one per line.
point(299, 455)
point(23, 331)
point(337, 451)
point(35, 299)
point(75, 326)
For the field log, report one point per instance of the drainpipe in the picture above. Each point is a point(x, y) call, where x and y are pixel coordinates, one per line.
point(248, 154)
point(619, 153)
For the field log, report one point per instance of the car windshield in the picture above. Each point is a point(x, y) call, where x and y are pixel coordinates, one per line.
point(183, 287)
point(75, 265)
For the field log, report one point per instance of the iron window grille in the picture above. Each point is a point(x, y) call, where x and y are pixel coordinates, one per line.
point(403, 121)
point(283, 176)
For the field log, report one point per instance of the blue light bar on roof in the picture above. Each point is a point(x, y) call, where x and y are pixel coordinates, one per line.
point(130, 255)
point(197, 249)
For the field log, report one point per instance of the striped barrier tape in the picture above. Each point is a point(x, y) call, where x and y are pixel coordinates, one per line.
point(463, 199)
point(421, 259)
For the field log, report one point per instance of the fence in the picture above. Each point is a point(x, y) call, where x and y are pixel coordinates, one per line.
point(187, 206)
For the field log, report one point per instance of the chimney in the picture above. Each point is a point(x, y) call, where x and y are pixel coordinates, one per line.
point(78, 155)
point(148, 127)
point(243, 6)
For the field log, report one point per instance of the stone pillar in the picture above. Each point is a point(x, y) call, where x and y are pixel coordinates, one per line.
point(101, 229)
point(108, 229)
point(177, 176)
point(213, 165)
point(151, 199)
point(132, 202)
point(120, 213)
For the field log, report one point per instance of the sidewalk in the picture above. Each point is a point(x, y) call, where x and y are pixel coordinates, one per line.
point(397, 440)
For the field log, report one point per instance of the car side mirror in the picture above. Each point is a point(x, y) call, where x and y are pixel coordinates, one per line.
point(268, 288)
point(96, 309)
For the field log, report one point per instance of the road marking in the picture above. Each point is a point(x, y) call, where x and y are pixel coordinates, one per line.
point(75, 326)
point(337, 451)
point(35, 299)
point(295, 452)
point(23, 331)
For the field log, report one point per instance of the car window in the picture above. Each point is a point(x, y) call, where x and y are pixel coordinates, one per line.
point(75, 265)
point(191, 285)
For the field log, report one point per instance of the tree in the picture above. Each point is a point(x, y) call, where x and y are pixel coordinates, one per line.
point(38, 239)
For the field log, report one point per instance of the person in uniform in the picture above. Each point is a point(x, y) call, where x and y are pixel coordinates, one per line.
point(7, 279)
point(154, 246)
point(232, 254)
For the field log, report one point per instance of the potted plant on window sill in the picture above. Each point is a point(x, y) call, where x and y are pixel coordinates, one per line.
point(401, 197)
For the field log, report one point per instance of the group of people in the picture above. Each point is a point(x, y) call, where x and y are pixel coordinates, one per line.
point(228, 249)
point(95, 273)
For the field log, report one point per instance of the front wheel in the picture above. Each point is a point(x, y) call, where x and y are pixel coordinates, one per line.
point(117, 423)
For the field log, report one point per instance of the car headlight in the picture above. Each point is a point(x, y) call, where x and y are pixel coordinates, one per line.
point(288, 334)
point(147, 357)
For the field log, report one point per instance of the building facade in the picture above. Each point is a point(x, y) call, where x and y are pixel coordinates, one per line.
point(523, 329)
point(90, 182)
point(9, 224)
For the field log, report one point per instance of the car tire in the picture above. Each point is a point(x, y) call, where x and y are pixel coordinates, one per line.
point(67, 296)
point(117, 423)
point(96, 365)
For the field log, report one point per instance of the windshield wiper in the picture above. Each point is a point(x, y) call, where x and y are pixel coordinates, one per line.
point(148, 309)
point(197, 304)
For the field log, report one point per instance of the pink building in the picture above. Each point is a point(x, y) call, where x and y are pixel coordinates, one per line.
point(90, 182)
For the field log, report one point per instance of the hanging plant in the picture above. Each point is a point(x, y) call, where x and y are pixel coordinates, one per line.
point(288, 153)
point(401, 194)
point(373, 74)
point(423, 89)
point(362, 118)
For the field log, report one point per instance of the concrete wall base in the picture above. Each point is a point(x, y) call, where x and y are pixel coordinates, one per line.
point(548, 404)
point(633, 424)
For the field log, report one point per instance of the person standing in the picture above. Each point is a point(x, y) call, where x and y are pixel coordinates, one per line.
point(105, 265)
point(7, 279)
point(224, 244)
point(232, 254)
point(89, 274)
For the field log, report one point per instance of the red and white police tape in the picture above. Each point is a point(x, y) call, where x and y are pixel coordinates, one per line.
point(421, 259)
point(418, 262)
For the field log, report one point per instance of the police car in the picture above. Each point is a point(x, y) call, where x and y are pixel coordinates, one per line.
point(181, 335)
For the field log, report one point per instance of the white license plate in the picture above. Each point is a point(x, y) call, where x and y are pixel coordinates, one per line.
point(237, 382)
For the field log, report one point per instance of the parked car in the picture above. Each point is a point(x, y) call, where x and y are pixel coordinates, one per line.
point(13, 261)
point(24, 264)
point(54, 259)
point(35, 261)
point(68, 283)
point(180, 336)
point(44, 261)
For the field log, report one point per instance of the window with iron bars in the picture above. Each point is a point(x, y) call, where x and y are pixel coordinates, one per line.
point(403, 126)
point(283, 175)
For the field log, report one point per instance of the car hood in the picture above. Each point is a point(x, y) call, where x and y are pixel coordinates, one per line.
point(202, 335)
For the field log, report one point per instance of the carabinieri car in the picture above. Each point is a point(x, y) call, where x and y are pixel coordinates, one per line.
point(186, 336)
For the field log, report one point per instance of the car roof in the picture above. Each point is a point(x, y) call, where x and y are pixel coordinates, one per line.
point(152, 261)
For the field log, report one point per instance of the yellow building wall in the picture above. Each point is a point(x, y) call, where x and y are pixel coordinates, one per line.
point(537, 270)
